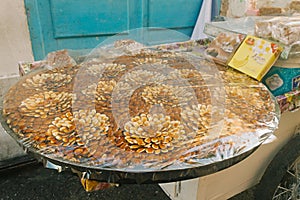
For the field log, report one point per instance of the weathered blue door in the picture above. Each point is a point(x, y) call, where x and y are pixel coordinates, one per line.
point(77, 24)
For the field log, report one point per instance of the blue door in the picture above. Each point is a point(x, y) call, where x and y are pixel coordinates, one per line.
point(77, 24)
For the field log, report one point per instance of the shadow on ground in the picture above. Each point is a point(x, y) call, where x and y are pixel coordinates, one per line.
point(35, 182)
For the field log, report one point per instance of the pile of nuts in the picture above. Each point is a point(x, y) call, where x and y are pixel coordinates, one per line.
point(75, 131)
point(104, 90)
point(150, 60)
point(106, 69)
point(45, 104)
point(159, 94)
point(197, 118)
point(47, 81)
point(141, 77)
point(152, 133)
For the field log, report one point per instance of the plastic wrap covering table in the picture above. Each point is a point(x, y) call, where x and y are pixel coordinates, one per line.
point(127, 113)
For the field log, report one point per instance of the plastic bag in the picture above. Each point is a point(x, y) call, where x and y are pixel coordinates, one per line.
point(237, 8)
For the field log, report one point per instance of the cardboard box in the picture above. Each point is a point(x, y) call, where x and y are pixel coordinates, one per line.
point(255, 57)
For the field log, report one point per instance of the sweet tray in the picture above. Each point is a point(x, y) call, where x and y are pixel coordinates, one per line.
point(143, 115)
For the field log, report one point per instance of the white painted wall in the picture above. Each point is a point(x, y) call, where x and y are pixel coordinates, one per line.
point(15, 43)
point(15, 46)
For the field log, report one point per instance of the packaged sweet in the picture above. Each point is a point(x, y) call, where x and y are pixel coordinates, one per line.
point(26, 67)
point(287, 32)
point(270, 11)
point(54, 59)
point(255, 57)
point(242, 8)
point(289, 101)
point(295, 6)
point(273, 7)
point(264, 26)
point(282, 29)
point(223, 46)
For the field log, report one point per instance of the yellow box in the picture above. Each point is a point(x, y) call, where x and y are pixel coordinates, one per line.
point(255, 57)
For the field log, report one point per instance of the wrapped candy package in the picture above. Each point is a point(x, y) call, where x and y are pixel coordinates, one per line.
point(222, 48)
point(242, 8)
point(282, 29)
point(141, 114)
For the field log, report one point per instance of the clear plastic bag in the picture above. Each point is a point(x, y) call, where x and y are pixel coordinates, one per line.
point(237, 9)
point(282, 29)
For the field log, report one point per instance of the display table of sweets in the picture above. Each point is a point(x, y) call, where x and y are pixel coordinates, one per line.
point(272, 28)
point(133, 114)
point(289, 101)
point(283, 78)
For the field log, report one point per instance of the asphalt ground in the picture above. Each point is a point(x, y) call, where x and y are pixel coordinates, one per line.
point(34, 182)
